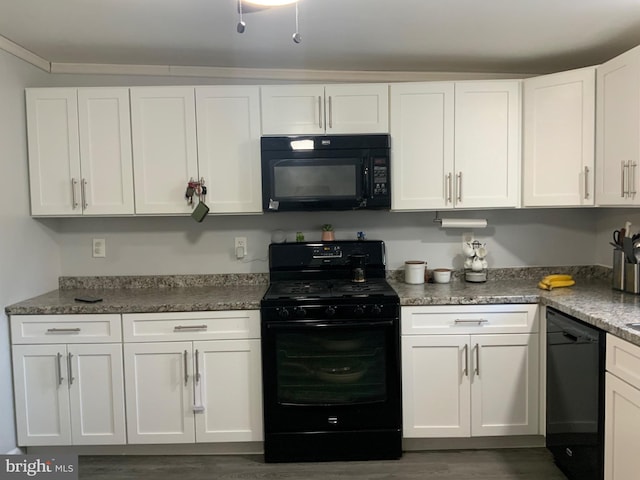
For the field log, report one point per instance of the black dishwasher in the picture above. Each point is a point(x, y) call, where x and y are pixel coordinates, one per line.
point(575, 396)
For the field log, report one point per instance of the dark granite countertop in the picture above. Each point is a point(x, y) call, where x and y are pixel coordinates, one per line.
point(144, 300)
point(590, 300)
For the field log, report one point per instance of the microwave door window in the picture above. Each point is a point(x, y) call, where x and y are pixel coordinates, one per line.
point(313, 181)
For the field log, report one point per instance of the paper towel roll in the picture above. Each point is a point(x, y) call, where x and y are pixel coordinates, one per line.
point(464, 223)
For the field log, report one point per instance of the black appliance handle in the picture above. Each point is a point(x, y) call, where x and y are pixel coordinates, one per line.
point(365, 174)
point(330, 324)
point(571, 337)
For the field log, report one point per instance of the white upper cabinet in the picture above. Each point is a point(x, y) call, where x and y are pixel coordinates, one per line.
point(422, 126)
point(455, 144)
point(618, 130)
point(319, 109)
point(163, 121)
point(79, 151)
point(559, 139)
point(228, 124)
point(487, 144)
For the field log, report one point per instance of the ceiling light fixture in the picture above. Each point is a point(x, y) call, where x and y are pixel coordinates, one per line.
point(257, 5)
point(271, 3)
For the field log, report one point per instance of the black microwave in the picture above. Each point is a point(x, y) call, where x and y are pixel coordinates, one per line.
point(328, 172)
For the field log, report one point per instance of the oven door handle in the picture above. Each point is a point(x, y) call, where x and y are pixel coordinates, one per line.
point(330, 324)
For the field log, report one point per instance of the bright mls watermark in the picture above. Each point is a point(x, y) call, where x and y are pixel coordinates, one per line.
point(53, 467)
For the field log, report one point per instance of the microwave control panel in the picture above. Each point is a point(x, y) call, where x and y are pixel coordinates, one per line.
point(380, 177)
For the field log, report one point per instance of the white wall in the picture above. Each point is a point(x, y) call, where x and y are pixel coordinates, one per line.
point(29, 252)
point(179, 245)
point(608, 220)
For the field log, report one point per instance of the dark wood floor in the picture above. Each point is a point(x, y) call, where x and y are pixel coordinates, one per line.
point(501, 464)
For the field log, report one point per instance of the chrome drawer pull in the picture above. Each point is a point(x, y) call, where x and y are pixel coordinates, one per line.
point(466, 361)
point(178, 328)
point(586, 183)
point(60, 377)
point(479, 321)
point(186, 369)
point(63, 330)
point(70, 373)
point(477, 371)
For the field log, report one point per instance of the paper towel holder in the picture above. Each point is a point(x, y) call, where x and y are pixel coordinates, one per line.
point(460, 222)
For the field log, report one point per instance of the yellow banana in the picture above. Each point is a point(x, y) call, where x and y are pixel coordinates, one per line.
point(555, 277)
point(555, 284)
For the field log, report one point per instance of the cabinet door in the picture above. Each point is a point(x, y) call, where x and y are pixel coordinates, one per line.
point(357, 108)
point(158, 381)
point(229, 387)
point(621, 427)
point(505, 384)
point(487, 144)
point(435, 384)
point(292, 109)
point(228, 120)
point(54, 151)
point(422, 145)
point(163, 123)
point(617, 129)
point(105, 151)
point(41, 395)
point(559, 139)
point(96, 393)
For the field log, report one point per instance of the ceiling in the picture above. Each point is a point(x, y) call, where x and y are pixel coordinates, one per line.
point(515, 36)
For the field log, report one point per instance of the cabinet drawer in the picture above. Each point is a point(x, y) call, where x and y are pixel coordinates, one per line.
point(623, 360)
point(28, 329)
point(514, 318)
point(167, 327)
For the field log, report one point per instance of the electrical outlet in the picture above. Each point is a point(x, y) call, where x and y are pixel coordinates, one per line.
point(99, 248)
point(241, 247)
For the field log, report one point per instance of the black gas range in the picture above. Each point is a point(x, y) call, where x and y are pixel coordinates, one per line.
point(331, 354)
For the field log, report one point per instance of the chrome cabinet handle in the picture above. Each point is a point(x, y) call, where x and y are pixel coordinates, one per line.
point(479, 321)
point(477, 369)
point(459, 186)
point(449, 187)
point(83, 191)
point(186, 372)
point(632, 178)
point(70, 369)
point(60, 377)
point(466, 361)
point(330, 113)
point(623, 166)
point(586, 183)
point(63, 330)
point(319, 111)
point(74, 200)
point(197, 377)
point(179, 328)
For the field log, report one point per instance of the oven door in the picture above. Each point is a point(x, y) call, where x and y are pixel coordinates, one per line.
point(331, 375)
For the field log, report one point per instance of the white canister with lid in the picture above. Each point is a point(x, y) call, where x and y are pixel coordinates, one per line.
point(414, 271)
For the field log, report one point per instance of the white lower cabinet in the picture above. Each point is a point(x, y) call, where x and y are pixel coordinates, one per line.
point(69, 394)
point(460, 382)
point(622, 410)
point(68, 379)
point(206, 387)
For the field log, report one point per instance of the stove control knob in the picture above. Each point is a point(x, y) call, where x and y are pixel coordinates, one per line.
point(330, 311)
point(376, 310)
point(299, 312)
point(359, 310)
point(283, 313)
